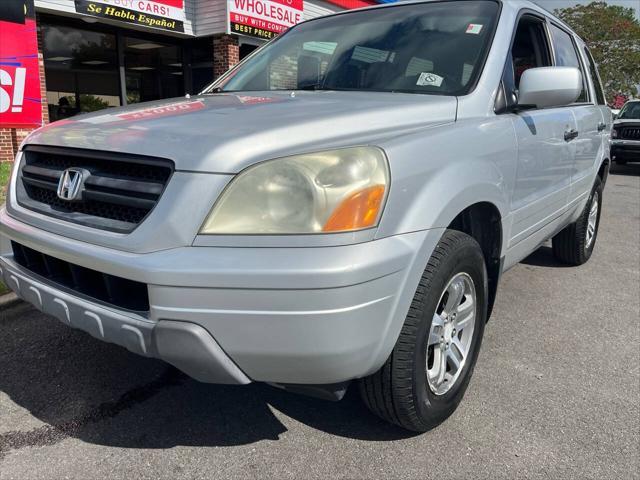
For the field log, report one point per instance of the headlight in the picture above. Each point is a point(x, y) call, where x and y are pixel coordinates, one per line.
point(334, 191)
point(614, 133)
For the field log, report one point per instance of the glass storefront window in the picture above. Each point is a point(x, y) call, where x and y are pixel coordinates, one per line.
point(246, 49)
point(154, 70)
point(81, 70)
point(201, 63)
point(90, 67)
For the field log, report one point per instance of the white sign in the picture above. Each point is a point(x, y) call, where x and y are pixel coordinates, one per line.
point(429, 79)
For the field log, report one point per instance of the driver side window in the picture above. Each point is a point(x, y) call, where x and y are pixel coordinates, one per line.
point(530, 47)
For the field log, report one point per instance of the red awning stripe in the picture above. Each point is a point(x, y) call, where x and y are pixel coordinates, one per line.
point(349, 4)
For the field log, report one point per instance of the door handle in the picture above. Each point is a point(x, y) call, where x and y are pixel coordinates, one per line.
point(602, 126)
point(570, 135)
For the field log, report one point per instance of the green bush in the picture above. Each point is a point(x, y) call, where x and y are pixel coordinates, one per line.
point(5, 168)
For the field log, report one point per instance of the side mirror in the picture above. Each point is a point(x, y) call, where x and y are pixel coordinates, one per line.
point(549, 87)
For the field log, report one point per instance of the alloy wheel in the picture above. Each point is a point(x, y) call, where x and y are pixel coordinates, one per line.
point(451, 334)
point(592, 221)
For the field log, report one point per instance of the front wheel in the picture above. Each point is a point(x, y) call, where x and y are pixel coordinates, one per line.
point(426, 375)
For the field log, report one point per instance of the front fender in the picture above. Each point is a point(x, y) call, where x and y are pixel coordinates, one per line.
point(437, 175)
point(434, 176)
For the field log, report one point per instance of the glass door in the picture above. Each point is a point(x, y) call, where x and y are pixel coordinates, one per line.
point(153, 70)
point(81, 70)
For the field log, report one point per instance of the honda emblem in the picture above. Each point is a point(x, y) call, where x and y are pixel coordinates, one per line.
point(70, 185)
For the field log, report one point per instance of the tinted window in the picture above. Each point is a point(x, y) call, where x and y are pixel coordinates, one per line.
point(630, 111)
point(201, 50)
point(81, 70)
point(436, 48)
point(596, 77)
point(566, 56)
point(153, 70)
point(530, 49)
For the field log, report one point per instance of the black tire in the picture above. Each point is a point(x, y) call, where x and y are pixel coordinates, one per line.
point(399, 392)
point(570, 245)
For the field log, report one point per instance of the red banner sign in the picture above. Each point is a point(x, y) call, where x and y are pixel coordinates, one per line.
point(20, 97)
point(263, 18)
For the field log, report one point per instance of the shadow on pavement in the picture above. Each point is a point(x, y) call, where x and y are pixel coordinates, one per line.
point(630, 169)
point(543, 257)
point(100, 393)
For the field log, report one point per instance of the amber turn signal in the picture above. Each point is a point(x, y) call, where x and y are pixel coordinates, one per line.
point(360, 210)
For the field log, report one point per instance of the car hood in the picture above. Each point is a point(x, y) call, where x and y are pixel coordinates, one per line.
point(227, 132)
point(631, 122)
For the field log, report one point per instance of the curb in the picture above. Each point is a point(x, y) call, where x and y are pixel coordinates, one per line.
point(8, 300)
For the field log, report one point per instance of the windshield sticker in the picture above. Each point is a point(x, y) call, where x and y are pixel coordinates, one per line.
point(474, 28)
point(429, 79)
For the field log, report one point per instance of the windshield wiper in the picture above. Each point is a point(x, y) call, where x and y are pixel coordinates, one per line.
point(318, 87)
point(313, 87)
point(214, 90)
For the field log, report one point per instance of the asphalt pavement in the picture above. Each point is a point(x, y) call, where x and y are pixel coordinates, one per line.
point(555, 394)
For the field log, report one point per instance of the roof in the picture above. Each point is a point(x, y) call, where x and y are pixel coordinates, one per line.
point(516, 5)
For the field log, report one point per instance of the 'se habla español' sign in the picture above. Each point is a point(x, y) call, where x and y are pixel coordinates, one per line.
point(162, 14)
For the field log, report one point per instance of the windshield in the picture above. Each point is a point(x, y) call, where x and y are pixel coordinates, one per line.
point(435, 48)
point(630, 110)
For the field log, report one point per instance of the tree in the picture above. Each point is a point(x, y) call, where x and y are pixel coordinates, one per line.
point(91, 103)
point(612, 33)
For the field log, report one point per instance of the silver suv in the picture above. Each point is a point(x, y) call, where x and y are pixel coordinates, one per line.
point(338, 207)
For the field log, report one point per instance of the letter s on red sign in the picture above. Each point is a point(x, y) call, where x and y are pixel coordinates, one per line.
point(18, 90)
point(5, 98)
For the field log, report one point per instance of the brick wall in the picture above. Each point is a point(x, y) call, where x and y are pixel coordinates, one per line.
point(283, 73)
point(226, 53)
point(6, 144)
point(11, 138)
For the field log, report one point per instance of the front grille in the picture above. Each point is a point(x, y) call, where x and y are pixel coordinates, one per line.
point(118, 190)
point(629, 133)
point(116, 291)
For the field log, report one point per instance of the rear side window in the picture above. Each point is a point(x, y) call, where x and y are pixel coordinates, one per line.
point(597, 83)
point(567, 56)
point(631, 110)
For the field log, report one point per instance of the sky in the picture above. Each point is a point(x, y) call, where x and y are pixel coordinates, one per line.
point(553, 4)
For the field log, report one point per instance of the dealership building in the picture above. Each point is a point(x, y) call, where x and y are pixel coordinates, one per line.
point(59, 58)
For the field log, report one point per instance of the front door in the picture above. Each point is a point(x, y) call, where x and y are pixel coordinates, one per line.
point(546, 148)
point(545, 163)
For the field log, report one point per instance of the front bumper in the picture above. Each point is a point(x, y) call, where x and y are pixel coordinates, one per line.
point(234, 315)
point(625, 150)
